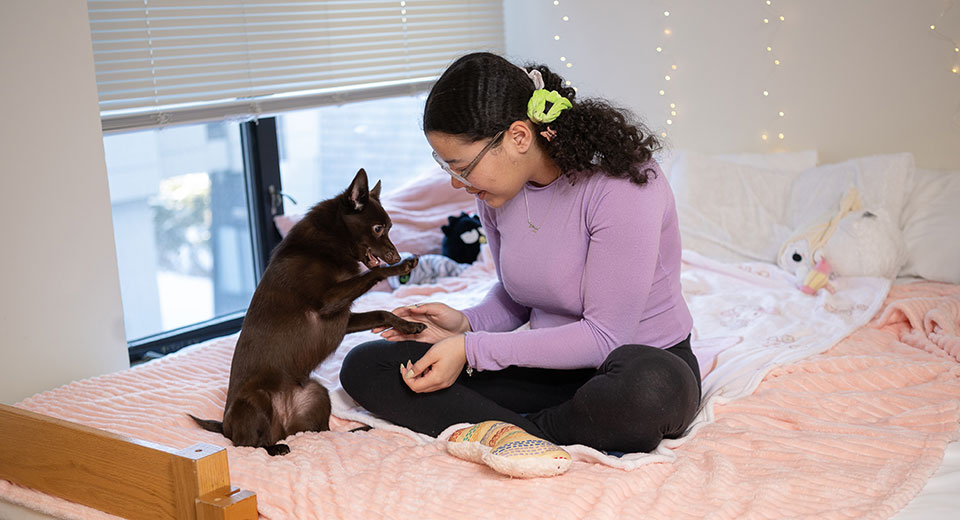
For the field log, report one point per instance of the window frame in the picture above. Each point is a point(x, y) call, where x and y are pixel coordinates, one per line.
point(261, 168)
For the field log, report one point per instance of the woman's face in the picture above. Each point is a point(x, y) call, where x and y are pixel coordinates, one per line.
point(494, 177)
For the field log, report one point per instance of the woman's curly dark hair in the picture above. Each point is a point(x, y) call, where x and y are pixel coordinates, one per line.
point(481, 94)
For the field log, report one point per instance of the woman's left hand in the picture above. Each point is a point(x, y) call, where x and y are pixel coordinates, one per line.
point(438, 368)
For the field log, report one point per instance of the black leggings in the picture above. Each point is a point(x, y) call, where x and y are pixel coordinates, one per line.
point(638, 396)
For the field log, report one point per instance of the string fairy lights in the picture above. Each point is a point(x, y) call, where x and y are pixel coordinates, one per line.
point(556, 37)
point(939, 29)
point(773, 132)
point(670, 68)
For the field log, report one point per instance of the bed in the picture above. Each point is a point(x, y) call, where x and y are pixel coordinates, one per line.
point(843, 405)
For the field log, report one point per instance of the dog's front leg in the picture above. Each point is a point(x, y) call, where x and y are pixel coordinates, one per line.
point(368, 320)
point(340, 296)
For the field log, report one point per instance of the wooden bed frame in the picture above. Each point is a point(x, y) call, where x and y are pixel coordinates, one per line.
point(119, 475)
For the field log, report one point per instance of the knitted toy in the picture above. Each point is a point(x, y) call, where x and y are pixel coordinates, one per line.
point(508, 449)
point(428, 270)
point(857, 242)
point(462, 237)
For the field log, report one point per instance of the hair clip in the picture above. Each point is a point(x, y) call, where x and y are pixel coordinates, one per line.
point(537, 78)
point(549, 134)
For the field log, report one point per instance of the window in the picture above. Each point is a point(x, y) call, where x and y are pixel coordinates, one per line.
point(192, 211)
point(181, 225)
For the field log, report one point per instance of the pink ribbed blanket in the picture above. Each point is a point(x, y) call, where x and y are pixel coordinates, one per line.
point(850, 433)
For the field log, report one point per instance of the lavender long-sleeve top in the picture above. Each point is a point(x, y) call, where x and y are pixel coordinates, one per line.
point(602, 271)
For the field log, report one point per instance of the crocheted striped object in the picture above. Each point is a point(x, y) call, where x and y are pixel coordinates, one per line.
point(508, 449)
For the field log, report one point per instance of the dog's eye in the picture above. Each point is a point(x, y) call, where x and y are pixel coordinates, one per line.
point(378, 229)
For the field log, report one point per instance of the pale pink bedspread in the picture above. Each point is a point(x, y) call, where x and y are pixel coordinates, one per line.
point(853, 432)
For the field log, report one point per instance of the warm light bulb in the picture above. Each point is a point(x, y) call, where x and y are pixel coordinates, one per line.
point(781, 114)
point(782, 18)
point(674, 67)
point(662, 92)
point(765, 93)
point(933, 27)
point(673, 105)
point(956, 49)
point(566, 18)
point(569, 65)
point(955, 69)
point(663, 134)
point(667, 78)
point(776, 62)
point(780, 135)
point(659, 49)
point(673, 112)
point(556, 2)
point(666, 13)
point(568, 83)
point(766, 20)
point(769, 48)
point(764, 137)
point(667, 31)
point(563, 58)
point(556, 36)
point(669, 121)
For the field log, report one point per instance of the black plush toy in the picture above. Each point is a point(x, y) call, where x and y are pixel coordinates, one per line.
point(462, 238)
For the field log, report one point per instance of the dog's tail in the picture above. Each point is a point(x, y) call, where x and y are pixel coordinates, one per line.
point(207, 424)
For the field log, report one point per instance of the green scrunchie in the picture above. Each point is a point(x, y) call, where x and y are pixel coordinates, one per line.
point(539, 100)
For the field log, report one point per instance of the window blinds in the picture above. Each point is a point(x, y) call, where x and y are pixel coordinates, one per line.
point(161, 62)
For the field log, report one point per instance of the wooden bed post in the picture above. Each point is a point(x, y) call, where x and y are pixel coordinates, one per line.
point(116, 474)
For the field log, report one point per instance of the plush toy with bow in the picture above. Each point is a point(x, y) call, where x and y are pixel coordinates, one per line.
point(857, 242)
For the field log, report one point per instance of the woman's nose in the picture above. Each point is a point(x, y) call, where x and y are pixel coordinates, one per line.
point(457, 185)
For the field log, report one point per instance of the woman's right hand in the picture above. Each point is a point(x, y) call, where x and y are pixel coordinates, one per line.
point(442, 321)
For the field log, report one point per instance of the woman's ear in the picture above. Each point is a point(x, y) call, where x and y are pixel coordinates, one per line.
point(521, 135)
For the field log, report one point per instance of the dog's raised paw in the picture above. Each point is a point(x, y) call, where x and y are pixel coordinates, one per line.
point(412, 327)
point(410, 264)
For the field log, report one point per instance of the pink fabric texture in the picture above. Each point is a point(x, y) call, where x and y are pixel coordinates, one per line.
point(850, 433)
point(933, 320)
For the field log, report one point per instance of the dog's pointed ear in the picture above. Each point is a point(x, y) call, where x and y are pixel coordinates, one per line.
point(357, 193)
point(375, 192)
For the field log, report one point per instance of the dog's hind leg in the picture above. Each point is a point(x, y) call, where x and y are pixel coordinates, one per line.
point(310, 410)
point(277, 449)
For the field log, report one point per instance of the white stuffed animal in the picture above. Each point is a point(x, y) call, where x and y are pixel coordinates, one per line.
point(866, 243)
point(851, 242)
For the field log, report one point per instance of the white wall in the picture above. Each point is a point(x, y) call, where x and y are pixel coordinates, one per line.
point(60, 312)
point(856, 77)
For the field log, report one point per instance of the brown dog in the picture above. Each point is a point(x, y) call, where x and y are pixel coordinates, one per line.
point(300, 313)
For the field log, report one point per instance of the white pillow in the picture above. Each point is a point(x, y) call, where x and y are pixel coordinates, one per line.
point(790, 161)
point(931, 227)
point(884, 181)
point(729, 211)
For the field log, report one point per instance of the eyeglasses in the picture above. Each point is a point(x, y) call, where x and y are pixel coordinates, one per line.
point(462, 176)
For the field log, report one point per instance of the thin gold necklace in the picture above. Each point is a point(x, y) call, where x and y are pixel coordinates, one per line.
point(534, 228)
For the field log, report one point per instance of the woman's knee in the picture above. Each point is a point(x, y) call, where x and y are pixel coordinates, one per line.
point(359, 365)
point(655, 383)
point(366, 366)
